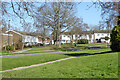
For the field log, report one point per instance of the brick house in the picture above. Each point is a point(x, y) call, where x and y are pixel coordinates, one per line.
point(22, 38)
point(6, 39)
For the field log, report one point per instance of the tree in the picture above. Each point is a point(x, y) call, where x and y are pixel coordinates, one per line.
point(94, 27)
point(113, 9)
point(76, 29)
point(59, 17)
point(115, 37)
point(42, 29)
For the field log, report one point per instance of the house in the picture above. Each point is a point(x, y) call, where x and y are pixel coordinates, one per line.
point(99, 36)
point(6, 39)
point(40, 38)
point(22, 38)
point(91, 36)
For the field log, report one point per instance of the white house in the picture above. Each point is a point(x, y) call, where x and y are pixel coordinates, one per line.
point(101, 37)
point(91, 36)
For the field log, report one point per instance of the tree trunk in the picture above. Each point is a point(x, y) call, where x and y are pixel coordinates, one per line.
point(44, 43)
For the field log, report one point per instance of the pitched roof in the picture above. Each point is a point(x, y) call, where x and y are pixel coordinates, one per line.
point(102, 31)
point(25, 33)
point(3, 30)
point(89, 32)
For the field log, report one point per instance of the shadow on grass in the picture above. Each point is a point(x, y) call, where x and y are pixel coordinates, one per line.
point(77, 48)
point(86, 54)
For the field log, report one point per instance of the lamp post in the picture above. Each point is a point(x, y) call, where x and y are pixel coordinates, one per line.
point(8, 34)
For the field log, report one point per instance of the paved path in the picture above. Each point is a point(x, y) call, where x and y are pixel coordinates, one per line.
point(21, 55)
point(24, 50)
point(35, 65)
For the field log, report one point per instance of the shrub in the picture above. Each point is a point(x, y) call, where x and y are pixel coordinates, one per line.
point(34, 45)
point(107, 38)
point(82, 41)
point(40, 44)
point(115, 37)
point(9, 48)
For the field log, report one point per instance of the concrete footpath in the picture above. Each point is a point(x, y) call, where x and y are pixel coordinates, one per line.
point(24, 50)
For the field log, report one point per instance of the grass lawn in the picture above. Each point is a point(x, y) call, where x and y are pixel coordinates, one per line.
point(13, 62)
point(94, 44)
point(53, 48)
point(27, 52)
point(41, 48)
point(92, 66)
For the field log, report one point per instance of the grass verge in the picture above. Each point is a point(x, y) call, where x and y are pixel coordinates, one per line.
point(13, 62)
point(92, 66)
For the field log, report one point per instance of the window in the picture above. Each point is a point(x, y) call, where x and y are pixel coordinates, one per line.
point(107, 34)
point(63, 40)
point(102, 34)
point(97, 34)
point(64, 36)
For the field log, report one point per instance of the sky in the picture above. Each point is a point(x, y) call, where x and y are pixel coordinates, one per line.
point(91, 15)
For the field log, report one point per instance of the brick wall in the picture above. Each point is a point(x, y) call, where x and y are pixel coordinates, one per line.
point(17, 40)
point(6, 40)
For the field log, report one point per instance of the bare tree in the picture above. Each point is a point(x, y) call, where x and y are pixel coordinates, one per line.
point(42, 29)
point(76, 28)
point(111, 8)
point(58, 16)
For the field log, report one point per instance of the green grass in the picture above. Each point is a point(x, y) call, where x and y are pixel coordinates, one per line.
point(92, 66)
point(94, 44)
point(67, 46)
point(9, 63)
point(41, 48)
point(5, 52)
point(53, 48)
point(28, 52)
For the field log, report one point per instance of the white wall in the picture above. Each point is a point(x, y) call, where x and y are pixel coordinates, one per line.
point(91, 40)
point(65, 38)
point(30, 39)
point(99, 35)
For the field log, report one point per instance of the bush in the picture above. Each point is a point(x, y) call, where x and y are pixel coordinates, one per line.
point(82, 41)
point(40, 44)
point(115, 37)
point(9, 48)
point(107, 38)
